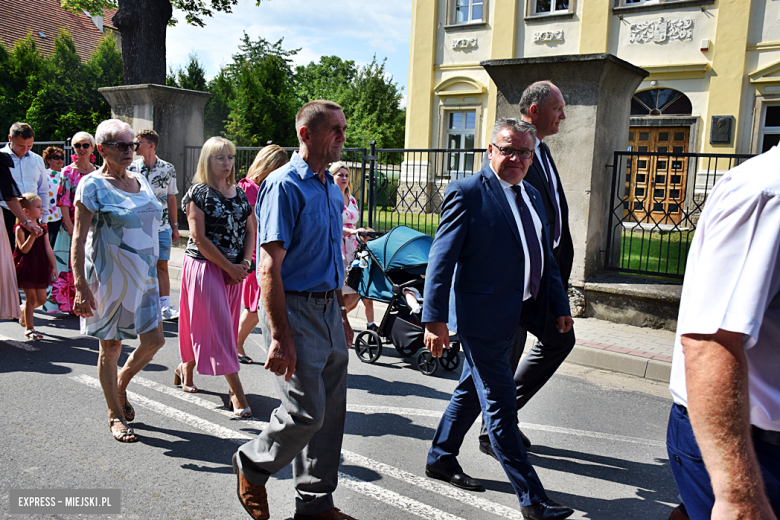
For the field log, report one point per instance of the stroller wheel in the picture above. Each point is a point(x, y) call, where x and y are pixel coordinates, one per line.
point(406, 351)
point(426, 363)
point(449, 359)
point(368, 346)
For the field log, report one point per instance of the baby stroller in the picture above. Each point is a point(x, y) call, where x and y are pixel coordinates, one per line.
point(387, 266)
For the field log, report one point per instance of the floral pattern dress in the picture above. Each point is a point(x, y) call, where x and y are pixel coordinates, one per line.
point(225, 220)
point(121, 258)
point(349, 244)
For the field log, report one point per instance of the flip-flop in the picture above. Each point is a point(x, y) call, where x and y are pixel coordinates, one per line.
point(33, 334)
point(245, 360)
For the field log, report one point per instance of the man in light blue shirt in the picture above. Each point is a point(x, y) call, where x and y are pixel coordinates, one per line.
point(304, 321)
point(29, 171)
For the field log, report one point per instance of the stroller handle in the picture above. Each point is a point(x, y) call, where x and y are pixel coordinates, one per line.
point(370, 234)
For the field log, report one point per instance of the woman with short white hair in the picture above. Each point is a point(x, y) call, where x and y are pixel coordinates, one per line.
point(216, 261)
point(114, 255)
point(84, 146)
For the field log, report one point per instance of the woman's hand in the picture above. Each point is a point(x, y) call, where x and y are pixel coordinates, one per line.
point(237, 273)
point(362, 232)
point(33, 228)
point(84, 302)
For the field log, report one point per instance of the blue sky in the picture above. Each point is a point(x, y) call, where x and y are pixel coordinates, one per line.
point(351, 29)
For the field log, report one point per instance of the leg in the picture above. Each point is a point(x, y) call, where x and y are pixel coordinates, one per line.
point(369, 305)
point(151, 342)
point(237, 390)
point(107, 361)
point(351, 300)
point(493, 381)
point(514, 360)
point(246, 325)
point(312, 410)
point(542, 361)
point(28, 307)
point(10, 221)
point(54, 228)
point(163, 278)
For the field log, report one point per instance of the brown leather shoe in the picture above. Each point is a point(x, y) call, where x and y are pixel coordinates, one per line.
point(330, 514)
point(252, 497)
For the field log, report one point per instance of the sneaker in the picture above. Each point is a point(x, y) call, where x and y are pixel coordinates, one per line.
point(170, 314)
point(373, 327)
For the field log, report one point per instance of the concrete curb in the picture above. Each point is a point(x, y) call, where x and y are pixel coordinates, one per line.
point(622, 363)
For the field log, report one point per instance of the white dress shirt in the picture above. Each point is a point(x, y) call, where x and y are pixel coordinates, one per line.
point(547, 168)
point(512, 199)
point(30, 175)
point(732, 280)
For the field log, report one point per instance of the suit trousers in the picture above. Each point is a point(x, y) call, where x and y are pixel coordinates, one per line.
point(10, 222)
point(308, 427)
point(541, 362)
point(486, 386)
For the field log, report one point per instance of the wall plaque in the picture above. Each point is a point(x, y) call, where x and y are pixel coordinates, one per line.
point(548, 36)
point(465, 43)
point(661, 30)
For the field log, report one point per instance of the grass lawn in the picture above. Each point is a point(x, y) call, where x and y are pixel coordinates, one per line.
point(655, 252)
point(385, 220)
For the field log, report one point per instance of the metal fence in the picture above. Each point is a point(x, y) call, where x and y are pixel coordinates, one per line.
point(393, 186)
point(657, 199)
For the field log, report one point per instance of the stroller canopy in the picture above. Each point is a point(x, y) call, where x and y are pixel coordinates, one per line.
point(401, 248)
point(401, 253)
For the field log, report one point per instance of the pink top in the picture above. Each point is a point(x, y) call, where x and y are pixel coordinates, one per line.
point(252, 190)
point(67, 191)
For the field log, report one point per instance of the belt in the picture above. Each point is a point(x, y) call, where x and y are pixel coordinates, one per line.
point(767, 436)
point(322, 295)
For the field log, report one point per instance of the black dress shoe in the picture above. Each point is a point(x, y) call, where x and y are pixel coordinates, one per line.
point(487, 449)
point(547, 510)
point(457, 478)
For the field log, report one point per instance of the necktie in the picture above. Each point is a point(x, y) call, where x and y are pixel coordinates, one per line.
point(545, 161)
point(531, 240)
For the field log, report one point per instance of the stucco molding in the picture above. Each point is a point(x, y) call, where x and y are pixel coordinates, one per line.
point(459, 86)
point(765, 74)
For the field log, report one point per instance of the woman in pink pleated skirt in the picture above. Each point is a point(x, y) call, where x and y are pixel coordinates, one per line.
point(216, 261)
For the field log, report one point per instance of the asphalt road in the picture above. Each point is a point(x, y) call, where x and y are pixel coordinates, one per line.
point(598, 437)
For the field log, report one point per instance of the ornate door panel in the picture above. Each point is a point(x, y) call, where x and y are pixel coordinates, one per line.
point(655, 185)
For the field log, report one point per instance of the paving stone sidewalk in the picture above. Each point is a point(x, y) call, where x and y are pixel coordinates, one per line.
point(600, 344)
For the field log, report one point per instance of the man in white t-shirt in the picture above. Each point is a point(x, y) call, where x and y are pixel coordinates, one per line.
point(723, 436)
point(162, 176)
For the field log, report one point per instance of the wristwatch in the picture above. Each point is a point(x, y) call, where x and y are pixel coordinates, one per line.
point(248, 261)
point(175, 224)
point(343, 308)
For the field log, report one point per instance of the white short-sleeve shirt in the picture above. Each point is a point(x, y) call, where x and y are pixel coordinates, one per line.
point(732, 280)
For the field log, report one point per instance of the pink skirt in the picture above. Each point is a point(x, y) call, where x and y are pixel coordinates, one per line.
point(250, 292)
point(209, 309)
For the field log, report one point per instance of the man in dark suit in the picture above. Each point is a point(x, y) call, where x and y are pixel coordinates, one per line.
point(493, 237)
point(542, 105)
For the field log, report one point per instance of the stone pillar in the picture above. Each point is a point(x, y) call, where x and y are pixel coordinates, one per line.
point(174, 113)
point(597, 89)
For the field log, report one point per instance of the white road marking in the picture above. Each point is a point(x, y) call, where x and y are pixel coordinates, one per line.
point(433, 486)
point(389, 497)
point(362, 408)
point(394, 499)
point(19, 344)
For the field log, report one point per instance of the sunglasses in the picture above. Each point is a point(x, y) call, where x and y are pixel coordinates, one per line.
point(122, 147)
point(81, 145)
point(57, 158)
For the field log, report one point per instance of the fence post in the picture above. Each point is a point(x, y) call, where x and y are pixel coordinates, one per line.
point(616, 167)
point(371, 183)
point(362, 185)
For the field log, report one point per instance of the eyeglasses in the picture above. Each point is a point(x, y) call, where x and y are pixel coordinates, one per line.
point(509, 152)
point(83, 145)
point(222, 159)
point(56, 157)
point(122, 147)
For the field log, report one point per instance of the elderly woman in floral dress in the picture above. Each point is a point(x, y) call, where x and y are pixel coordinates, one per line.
point(114, 254)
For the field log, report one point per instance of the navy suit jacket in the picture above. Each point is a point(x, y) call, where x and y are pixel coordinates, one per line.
point(478, 242)
point(564, 253)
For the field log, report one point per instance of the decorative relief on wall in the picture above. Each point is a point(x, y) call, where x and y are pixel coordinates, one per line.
point(661, 30)
point(548, 36)
point(464, 43)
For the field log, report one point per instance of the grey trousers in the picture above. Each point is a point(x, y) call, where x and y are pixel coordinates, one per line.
point(308, 426)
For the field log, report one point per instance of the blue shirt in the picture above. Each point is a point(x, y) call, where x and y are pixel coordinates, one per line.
point(294, 207)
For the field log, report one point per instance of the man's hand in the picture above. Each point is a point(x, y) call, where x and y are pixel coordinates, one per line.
point(174, 233)
point(564, 324)
point(437, 337)
point(282, 358)
point(347, 330)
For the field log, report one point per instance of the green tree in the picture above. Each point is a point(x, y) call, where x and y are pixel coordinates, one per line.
point(143, 25)
point(192, 76)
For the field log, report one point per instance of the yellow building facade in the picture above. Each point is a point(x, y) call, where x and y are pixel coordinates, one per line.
point(714, 84)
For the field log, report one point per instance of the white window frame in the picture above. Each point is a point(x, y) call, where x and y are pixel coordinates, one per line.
point(636, 3)
point(553, 9)
point(452, 6)
point(444, 117)
point(764, 130)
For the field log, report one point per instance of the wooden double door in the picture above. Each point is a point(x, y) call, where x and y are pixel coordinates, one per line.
point(655, 184)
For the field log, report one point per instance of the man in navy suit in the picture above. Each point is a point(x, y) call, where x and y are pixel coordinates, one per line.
point(492, 256)
point(542, 105)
